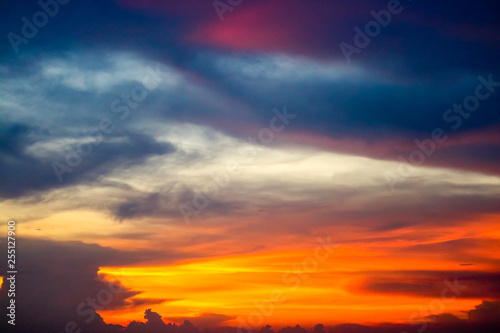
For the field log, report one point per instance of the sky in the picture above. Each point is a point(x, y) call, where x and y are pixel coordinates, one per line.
point(238, 163)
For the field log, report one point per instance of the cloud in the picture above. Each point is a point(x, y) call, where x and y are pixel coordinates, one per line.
point(204, 319)
point(155, 324)
point(25, 171)
point(445, 319)
point(486, 312)
point(233, 93)
point(95, 73)
point(224, 78)
point(149, 301)
point(469, 284)
point(58, 282)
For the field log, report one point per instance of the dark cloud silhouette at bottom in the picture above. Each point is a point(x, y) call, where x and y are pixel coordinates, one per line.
point(484, 318)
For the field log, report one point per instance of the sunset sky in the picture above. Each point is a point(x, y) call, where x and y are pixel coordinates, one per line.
point(242, 163)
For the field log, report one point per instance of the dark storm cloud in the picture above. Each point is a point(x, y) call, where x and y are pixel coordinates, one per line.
point(147, 205)
point(446, 319)
point(59, 282)
point(22, 172)
point(166, 204)
point(487, 311)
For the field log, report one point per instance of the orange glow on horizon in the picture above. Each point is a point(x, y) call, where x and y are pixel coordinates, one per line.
point(236, 285)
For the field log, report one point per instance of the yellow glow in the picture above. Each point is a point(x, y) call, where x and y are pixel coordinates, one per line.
point(232, 285)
